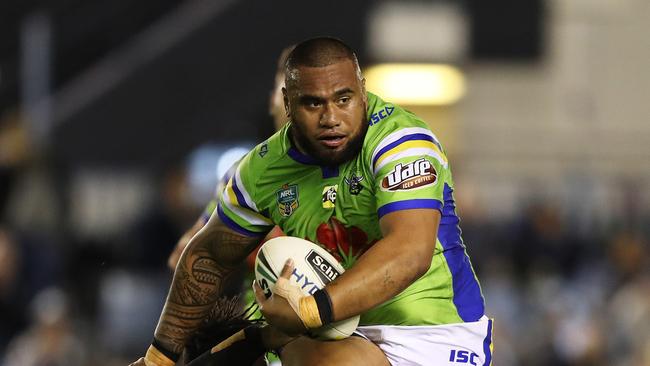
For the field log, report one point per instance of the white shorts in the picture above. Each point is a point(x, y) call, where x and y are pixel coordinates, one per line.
point(449, 344)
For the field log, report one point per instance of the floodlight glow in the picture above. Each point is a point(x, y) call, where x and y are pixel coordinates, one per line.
point(416, 84)
point(208, 164)
point(230, 157)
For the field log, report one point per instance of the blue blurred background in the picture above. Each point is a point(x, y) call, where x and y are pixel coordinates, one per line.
point(117, 119)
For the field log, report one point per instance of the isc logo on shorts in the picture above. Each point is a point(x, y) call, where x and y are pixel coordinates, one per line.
point(459, 356)
point(413, 175)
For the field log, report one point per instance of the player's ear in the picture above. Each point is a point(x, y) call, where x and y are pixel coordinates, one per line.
point(286, 101)
point(364, 95)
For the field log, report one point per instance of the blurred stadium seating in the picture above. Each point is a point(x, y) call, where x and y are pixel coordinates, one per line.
point(100, 142)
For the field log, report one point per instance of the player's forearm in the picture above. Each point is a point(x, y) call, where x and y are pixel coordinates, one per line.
point(210, 257)
point(381, 273)
point(195, 288)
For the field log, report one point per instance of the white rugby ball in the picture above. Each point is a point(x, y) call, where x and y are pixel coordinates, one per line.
point(314, 267)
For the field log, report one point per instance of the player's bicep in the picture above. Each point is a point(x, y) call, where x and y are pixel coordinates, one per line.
point(415, 225)
point(227, 246)
point(413, 234)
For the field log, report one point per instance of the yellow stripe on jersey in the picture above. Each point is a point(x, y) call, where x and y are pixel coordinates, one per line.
point(413, 144)
point(250, 216)
point(230, 192)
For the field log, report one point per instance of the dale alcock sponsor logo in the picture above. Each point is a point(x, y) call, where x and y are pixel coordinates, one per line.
point(413, 175)
point(323, 268)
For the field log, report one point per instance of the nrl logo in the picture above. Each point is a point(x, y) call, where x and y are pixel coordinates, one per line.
point(413, 175)
point(287, 198)
point(354, 183)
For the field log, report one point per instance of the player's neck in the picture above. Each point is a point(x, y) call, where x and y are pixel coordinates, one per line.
point(294, 142)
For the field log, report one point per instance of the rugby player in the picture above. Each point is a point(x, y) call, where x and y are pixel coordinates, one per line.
point(368, 181)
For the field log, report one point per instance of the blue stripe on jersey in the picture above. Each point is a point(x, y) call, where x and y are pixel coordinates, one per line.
point(230, 172)
point(240, 197)
point(233, 225)
point(486, 345)
point(296, 155)
point(328, 171)
point(409, 204)
point(467, 293)
point(415, 136)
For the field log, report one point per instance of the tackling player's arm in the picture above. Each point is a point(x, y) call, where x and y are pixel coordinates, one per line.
point(210, 257)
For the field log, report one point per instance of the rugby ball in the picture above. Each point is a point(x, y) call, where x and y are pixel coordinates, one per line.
point(314, 268)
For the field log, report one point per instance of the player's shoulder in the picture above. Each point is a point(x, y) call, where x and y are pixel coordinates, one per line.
point(390, 125)
point(268, 152)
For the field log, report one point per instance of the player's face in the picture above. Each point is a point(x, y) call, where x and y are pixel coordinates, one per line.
point(327, 106)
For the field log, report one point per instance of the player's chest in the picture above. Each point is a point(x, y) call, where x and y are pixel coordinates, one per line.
point(312, 194)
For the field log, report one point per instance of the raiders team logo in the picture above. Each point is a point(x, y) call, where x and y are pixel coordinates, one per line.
point(329, 196)
point(413, 175)
point(354, 184)
point(287, 198)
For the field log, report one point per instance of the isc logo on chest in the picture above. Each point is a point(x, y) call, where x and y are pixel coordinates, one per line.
point(412, 175)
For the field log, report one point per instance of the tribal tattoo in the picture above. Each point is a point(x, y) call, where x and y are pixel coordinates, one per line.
point(210, 257)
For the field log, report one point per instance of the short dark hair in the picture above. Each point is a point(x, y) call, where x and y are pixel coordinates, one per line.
point(319, 52)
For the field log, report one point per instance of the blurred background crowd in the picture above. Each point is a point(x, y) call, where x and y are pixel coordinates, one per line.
point(117, 119)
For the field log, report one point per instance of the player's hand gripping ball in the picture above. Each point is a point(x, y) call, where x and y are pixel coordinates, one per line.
point(314, 267)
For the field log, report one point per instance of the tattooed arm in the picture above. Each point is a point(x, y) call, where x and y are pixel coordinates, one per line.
point(175, 255)
point(209, 258)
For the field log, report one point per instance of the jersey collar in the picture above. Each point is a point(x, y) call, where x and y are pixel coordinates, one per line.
point(299, 157)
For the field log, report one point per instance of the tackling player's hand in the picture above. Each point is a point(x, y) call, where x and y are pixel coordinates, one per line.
point(281, 309)
point(243, 348)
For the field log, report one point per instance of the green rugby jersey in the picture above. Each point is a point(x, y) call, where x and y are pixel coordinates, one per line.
point(401, 166)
